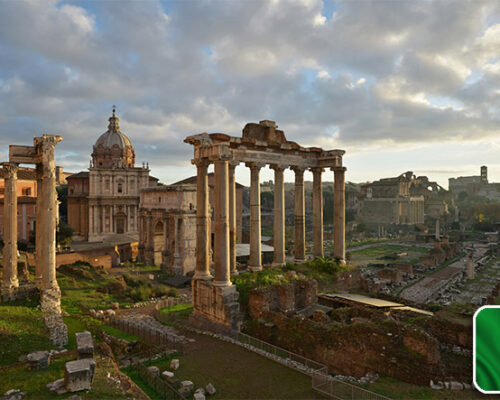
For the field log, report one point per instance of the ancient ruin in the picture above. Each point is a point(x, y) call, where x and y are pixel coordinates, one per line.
point(42, 155)
point(167, 225)
point(214, 298)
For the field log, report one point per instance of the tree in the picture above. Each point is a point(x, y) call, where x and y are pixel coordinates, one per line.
point(64, 235)
point(62, 197)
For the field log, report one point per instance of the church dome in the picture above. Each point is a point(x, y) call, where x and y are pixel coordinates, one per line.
point(113, 136)
point(113, 149)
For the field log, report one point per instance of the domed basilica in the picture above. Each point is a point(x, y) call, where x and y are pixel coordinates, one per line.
point(104, 202)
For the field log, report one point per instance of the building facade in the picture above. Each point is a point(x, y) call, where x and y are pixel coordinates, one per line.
point(104, 201)
point(389, 201)
point(26, 202)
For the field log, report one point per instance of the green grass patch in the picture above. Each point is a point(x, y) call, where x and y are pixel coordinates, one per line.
point(22, 331)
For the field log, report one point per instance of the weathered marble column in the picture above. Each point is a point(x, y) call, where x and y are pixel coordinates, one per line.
point(47, 223)
point(300, 217)
point(232, 218)
point(339, 214)
point(221, 217)
point(317, 212)
point(40, 206)
point(255, 263)
point(10, 280)
point(202, 221)
point(279, 216)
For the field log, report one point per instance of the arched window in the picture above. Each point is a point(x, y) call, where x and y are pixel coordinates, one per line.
point(120, 188)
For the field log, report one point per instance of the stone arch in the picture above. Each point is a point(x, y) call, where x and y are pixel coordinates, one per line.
point(158, 241)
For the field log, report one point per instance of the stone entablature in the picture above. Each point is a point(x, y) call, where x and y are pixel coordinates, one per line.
point(261, 144)
point(167, 220)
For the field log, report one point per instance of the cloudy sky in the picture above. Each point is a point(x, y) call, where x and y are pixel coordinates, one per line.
point(400, 85)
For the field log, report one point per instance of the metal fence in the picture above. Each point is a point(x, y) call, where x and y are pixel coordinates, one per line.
point(321, 380)
point(295, 361)
point(148, 335)
point(160, 386)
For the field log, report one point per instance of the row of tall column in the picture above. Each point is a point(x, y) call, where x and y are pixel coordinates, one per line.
point(46, 218)
point(225, 219)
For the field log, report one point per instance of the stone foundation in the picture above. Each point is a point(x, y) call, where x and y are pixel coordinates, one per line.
point(287, 298)
point(50, 303)
point(20, 292)
point(216, 308)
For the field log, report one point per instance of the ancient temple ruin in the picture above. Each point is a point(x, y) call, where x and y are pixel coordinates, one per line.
point(42, 155)
point(214, 298)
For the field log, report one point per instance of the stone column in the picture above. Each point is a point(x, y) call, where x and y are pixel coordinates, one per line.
point(255, 263)
point(221, 210)
point(40, 206)
point(339, 214)
point(232, 218)
point(150, 256)
point(279, 216)
point(166, 252)
point(317, 212)
point(47, 223)
point(202, 221)
point(177, 237)
point(10, 227)
point(300, 218)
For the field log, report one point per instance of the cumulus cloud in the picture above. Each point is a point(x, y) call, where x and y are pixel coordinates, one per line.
point(335, 74)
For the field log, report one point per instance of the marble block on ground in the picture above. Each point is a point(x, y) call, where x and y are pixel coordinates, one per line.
point(79, 374)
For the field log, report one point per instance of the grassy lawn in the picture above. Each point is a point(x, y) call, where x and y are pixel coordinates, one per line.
point(375, 254)
point(88, 291)
point(238, 373)
point(21, 331)
point(34, 382)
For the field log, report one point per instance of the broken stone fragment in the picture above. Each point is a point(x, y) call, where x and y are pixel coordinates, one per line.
point(154, 371)
point(199, 396)
point(79, 374)
point(174, 364)
point(56, 385)
point(187, 385)
point(210, 389)
point(84, 345)
point(456, 386)
point(167, 374)
point(38, 359)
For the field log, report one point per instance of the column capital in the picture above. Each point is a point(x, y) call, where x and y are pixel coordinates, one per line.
point(255, 165)
point(201, 162)
point(317, 170)
point(278, 167)
point(10, 168)
point(338, 169)
point(45, 140)
point(233, 164)
point(299, 171)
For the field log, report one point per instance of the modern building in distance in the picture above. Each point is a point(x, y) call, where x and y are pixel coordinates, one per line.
point(476, 185)
point(104, 201)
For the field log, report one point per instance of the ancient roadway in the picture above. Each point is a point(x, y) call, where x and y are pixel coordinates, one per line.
point(426, 289)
